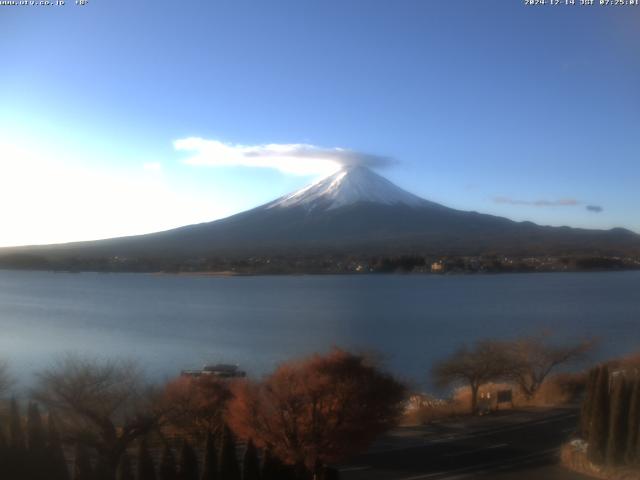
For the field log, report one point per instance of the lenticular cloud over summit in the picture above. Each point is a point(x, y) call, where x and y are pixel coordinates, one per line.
point(289, 158)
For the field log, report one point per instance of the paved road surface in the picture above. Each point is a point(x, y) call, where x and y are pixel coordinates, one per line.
point(520, 445)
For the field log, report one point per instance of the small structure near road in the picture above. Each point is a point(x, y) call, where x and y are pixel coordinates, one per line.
point(491, 399)
point(504, 396)
point(437, 267)
point(219, 370)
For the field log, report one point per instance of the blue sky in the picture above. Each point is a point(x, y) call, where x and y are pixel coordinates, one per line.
point(526, 112)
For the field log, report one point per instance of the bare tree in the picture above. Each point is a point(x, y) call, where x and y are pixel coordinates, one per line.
point(484, 362)
point(196, 406)
point(532, 359)
point(103, 405)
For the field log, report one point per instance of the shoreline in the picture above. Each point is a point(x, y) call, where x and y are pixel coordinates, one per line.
point(231, 273)
point(212, 273)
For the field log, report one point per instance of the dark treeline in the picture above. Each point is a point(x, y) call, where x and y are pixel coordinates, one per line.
point(322, 263)
point(104, 421)
point(610, 417)
point(33, 450)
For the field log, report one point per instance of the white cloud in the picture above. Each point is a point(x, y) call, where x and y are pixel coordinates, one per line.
point(294, 159)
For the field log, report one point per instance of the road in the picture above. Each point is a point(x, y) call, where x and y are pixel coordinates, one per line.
point(522, 445)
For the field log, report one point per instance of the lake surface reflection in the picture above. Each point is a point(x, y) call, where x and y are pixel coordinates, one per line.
point(174, 322)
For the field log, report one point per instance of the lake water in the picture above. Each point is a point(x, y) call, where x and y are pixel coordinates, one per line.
point(173, 322)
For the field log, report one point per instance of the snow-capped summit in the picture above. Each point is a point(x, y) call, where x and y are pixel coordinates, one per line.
point(350, 185)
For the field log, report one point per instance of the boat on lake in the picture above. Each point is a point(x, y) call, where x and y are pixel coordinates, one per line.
point(219, 370)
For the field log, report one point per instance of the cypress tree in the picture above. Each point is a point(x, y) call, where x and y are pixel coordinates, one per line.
point(299, 471)
point(268, 467)
point(228, 459)
point(146, 470)
point(329, 473)
point(16, 435)
point(599, 427)
point(167, 470)
point(210, 462)
point(250, 463)
point(36, 439)
point(103, 469)
point(4, 453)
point(272, 467)
point(3, 441)
point(82, 465)
point(16, 464)
point(586, 412)
point(618, 423)
point(633, 427)
point(36, 444)
point(636, 458)
point(188, 462)
point(57, 463)
point(291, 472)
point(124, 470)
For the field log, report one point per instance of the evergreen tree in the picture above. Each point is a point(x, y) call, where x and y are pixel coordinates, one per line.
point(82, 469)
point(3, 440)
point(291, 472)
point(329, 473)
point(210, 462)
point(618, 423)
point(188, 462)
point(268, 467)
point(36, 457)
point(272, 467)
point(4, 453)
point(228, 459)
point(633, 426)
point(599, 428)
point(146, 470)
point(301, 472)
point(36, 439)
point(103, 469)
point(586, 412)
point(16, 435)
point(124, 470)
point(636, 459)
point(168, 469)
point(57, 463)
point(250, 463)
point(16, 464)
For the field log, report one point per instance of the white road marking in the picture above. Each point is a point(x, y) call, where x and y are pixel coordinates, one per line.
point(355, 468)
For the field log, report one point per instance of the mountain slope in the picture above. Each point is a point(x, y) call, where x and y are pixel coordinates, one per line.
point(354, 211)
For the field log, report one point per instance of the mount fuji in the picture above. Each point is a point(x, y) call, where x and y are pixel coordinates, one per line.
point(353, 211)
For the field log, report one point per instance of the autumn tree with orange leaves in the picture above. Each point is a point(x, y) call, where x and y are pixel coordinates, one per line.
point(318, 410)
point(195, 406)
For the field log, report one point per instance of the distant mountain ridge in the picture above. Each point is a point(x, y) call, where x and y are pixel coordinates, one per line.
point(354, 211)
